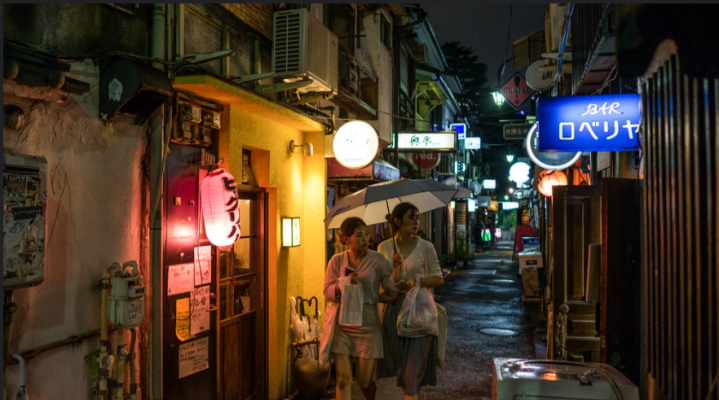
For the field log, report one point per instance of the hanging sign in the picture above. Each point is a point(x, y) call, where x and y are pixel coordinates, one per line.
point(516, 90)
point(425, 160)
point(473, 143)
point(355, 144)
point(437, 141)
point(461, 130)
point(589, 123)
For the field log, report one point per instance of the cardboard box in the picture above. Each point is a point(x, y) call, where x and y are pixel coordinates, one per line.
point(530, 259)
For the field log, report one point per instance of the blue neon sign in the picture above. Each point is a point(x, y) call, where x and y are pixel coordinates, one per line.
point(461, 130)
point(589, 123)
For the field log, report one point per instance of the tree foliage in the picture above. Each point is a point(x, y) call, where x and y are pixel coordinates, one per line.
point(471, 73)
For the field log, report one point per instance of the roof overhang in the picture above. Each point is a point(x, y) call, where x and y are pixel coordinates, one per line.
point(228, 92)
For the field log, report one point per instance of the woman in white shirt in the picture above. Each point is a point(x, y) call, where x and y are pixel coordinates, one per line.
point(361, 343)
point(413, 262)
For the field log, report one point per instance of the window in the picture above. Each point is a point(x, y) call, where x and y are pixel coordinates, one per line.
point(385, 34)
point(340, 19)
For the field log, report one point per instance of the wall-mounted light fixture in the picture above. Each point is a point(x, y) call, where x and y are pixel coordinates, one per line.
point(290, 231)
point(308, 147)
point(510, 157)
point(452, 204)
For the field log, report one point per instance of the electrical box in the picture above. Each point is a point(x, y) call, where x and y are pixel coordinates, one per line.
point(127, 297)
point(24, 228)
point(195, 124)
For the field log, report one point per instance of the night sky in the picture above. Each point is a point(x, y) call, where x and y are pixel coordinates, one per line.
point(483, 27)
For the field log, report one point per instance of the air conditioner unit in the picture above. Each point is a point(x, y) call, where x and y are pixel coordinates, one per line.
point(304, 48)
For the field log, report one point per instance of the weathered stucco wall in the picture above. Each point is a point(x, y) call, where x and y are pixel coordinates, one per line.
point(378, 60)
point(299, 184)
point(94, 217)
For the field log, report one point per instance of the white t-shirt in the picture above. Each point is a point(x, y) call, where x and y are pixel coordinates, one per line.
point(422, 261)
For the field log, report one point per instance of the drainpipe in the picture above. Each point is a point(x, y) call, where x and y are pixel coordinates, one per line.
point(161, 42)
point(158, 33)
point(22, 390)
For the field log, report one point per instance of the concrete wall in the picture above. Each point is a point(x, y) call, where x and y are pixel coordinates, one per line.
point(378, 60)
point(78, 29)
point(96, 213)
point(296, 187)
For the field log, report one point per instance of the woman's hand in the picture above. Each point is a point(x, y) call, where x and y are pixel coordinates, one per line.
point(410, 282)
point(388, 296)
point(354, 279)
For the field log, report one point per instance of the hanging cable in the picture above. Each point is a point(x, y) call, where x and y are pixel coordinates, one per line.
point(506, 46)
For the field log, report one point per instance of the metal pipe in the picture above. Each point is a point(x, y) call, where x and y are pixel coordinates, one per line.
point(30, 354)
point(131, 360)
point(103, 360)
point(120, 360)
point(158, 49)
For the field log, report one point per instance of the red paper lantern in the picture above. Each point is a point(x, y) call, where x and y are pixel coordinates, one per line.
point(220, 208)
point(549, 179)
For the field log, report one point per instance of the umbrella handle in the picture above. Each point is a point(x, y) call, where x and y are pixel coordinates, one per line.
point(301, 301)
point(316, 304)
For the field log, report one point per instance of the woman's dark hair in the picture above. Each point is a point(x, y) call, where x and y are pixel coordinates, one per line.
point(348, 227)
point(399, 211)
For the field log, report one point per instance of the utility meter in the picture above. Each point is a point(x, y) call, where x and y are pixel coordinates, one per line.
point(127, 297)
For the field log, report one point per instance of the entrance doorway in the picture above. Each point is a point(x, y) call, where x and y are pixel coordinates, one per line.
point(242, 275)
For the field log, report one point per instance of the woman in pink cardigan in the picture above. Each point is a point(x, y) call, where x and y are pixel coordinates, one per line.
point(349, 343)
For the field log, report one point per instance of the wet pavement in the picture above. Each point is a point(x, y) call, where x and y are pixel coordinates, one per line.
point(486, 294)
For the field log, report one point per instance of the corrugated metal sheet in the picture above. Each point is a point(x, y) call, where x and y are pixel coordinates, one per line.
point(528, 49)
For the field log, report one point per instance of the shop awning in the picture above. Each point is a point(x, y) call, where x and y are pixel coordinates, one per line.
point(380, 170)
point(228, 92)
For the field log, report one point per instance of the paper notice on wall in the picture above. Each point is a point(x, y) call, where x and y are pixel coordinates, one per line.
point(200, 302)
point(180, 279)
point(203, 260)
point(194, 357)
point(182, 319)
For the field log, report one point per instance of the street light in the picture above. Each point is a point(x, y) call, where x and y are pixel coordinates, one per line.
point(498, 98)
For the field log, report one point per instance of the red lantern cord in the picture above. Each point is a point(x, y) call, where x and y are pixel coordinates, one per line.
point(220, 208)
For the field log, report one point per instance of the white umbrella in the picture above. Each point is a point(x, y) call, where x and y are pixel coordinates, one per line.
point(298, 326)
point(373, 203)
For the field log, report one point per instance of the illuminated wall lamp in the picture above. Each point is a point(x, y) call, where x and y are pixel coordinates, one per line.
point(290, 231)
point(308, 147)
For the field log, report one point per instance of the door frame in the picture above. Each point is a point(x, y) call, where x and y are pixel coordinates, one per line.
point(261, 297)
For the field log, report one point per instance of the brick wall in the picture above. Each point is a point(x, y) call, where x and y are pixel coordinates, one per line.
point(257, 16)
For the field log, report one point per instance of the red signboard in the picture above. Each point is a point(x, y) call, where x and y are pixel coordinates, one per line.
point(425, 160)
point(516, 90)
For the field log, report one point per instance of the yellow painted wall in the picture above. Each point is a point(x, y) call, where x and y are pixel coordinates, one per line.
point(297, 187)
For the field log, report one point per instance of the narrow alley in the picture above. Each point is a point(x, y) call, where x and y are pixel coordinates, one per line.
point(485, 295)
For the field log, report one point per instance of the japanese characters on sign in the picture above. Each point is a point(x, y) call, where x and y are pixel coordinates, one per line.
point(438, 141)
point(589, 123)
point(516, 90)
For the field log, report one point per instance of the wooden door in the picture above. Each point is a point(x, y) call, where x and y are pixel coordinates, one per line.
point(242, 273)
point(184, 232)
point(576, 225)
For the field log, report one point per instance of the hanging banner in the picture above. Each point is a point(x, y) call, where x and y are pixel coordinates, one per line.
point(589, 123)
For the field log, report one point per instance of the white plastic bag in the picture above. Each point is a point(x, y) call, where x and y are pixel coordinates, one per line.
point(418, 316)
point(351, 303)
